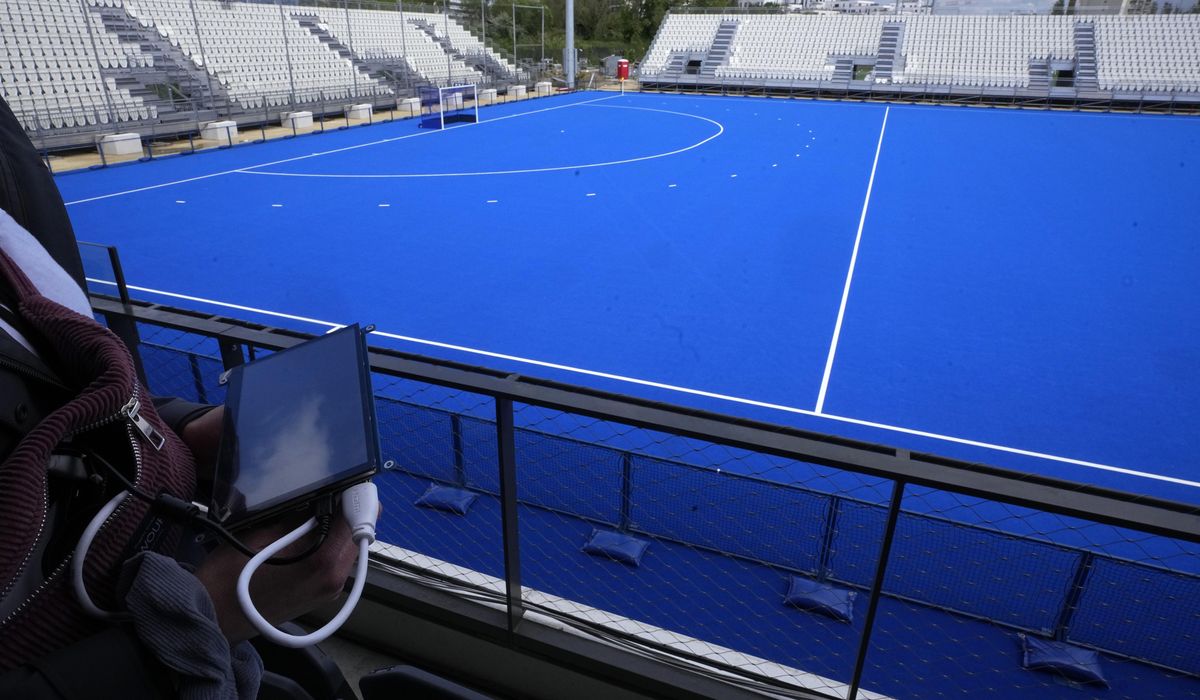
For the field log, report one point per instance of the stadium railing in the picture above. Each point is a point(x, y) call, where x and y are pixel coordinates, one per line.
point(77, 149)
point(1184, 100)
point(934, 572)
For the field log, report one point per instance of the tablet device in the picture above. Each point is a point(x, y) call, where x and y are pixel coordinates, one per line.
point(299, 425)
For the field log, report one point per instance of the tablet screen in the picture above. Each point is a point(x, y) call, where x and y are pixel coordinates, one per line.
point(296, 423)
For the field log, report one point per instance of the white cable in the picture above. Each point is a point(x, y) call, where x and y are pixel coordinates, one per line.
point(360, 507)
point(81, 550)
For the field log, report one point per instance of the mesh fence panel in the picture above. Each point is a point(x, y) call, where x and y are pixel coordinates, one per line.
point(960, 597)
point(722, 543)
point(726, 531)
point(1141, 611)
point(417, 423)
point(181, 364)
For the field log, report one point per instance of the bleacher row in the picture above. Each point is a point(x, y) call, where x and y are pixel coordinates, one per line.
point(1132, 53)
point(60, 63)
point(50, 64)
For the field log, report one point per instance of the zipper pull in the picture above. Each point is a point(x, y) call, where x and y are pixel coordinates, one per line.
point(131, 411)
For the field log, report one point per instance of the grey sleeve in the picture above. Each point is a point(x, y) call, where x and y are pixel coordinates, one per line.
point(175, 619)
point(177, 413)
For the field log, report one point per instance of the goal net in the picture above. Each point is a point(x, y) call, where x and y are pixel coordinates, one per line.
point(443, 106)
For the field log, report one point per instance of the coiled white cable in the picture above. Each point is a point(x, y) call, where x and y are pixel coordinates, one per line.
point(360, 507)
point(80, 555)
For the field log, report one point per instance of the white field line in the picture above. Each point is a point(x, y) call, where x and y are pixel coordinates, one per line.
point(862, 219)
point(685, 390)
point(386, 176)
point(320, 153)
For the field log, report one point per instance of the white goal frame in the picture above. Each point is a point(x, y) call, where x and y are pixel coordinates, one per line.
point(467, 91)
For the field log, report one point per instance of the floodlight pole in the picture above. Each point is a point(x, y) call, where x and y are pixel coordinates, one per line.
point(404, 48)
point(203, 54)
point(287, 51)
point(569, 66)
point(350, 38)
point(446, 29)
point(87, 18)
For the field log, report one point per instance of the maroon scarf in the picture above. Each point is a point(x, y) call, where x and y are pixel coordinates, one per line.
point(97, 367)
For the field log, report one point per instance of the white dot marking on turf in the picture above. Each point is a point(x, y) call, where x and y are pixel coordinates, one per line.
point(493, 201)
point(591, 194)
point(277, 206)
point(181, 201)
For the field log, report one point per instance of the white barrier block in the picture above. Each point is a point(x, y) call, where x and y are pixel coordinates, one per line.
point(224, 131)
point(121, 144)
point(362, 111)
point(516, 91)
point(543, 88)
point(487, 96)
point(297, 120)
point(412, 105)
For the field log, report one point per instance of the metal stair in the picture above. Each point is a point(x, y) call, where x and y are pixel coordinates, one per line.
point(1085, 56)
point(843, 69)
point(442, 41)
point(388, 72)
point(1039, 73)
point(178, 89)
point(889, 59)
point(718, 53)
point(675, 65)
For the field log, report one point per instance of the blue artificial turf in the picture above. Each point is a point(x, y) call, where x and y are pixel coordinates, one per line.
point(1023, 279)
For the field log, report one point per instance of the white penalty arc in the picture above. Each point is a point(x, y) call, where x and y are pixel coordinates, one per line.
point(394, 176)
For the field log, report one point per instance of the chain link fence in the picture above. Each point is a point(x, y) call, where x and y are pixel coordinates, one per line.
point(782, 574)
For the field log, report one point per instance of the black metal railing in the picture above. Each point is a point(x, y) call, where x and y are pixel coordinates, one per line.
point(948, 563)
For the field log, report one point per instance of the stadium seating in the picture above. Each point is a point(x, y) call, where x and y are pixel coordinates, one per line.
point(1148, 52)
point(1132, 53)
point(391, 35)
point(64, 65)
point(259, 51)
point(51, 71)
point(982, 51)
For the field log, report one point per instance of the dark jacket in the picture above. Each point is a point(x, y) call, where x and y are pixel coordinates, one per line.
point(113, 663)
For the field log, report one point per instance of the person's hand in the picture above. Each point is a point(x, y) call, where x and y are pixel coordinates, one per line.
point(203, 438)
point(280, 593)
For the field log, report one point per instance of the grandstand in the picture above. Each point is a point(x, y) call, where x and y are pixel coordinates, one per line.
point(662, 529)
point(103, 64)
point(1084, 58)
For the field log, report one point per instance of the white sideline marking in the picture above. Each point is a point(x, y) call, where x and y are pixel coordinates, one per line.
point(862, 219)
point(684, 390)
point(202, 300)
point(522, 171)
point(319, 153)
